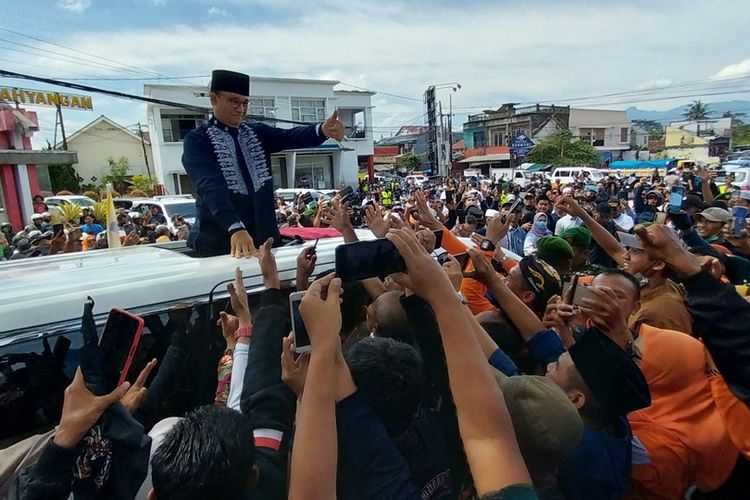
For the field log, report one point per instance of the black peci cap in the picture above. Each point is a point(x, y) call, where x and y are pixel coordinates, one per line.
point(230, 81)
point(614, 379)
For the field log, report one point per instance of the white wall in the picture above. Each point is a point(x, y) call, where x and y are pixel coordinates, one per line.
point(102, 141)
point(168, 156)
point(610, 120)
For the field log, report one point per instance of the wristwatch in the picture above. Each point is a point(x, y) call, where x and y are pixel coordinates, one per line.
point(462, 298)
point(245, 331)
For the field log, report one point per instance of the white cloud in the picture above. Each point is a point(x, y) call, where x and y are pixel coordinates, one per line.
point(733, 71)
point(216, 11)
point(659, 83)
point(383, 45)
point(74, 5)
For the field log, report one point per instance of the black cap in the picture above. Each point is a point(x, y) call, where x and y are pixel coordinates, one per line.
point(604, 209)
point(230, 81)
point(692, 201)
point(615, 380)
point(541, 278)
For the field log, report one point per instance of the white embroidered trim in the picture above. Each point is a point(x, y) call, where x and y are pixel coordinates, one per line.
point(255, 156)
point(252, 152)
point(226, 156)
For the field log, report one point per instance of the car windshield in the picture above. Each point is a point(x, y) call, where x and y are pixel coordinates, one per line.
point(187, 209)
point(83, 202)
point(739, 175)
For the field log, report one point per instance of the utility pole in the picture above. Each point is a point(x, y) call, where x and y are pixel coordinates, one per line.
point(59, 119)
point(441, 142)
point(145, 155)
point(429, 100)
point(450, 134)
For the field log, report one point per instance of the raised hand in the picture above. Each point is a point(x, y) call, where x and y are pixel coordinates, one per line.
point(572, 207)
point(661, 243)
point(228, 324)
point(333, 128)
point(424, 215)
point(238, 297)
point(321, 312)
point(305, 267)
point(82, 409)
point(497, 228)
point(424, 275)
point(268, 268)
point(483, 271)
point(375, 221)
point(293, 371)
point(134, 397)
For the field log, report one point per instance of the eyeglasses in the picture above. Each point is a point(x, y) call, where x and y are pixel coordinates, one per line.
point(236, 103)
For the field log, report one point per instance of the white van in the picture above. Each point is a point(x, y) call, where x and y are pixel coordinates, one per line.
point(518, 176)
point(565, 175)
point(41, 304)
point(418, 179)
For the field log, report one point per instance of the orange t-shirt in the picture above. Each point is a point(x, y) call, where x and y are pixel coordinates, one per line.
point(682, 403)
point(473, 290)
point(735, 413)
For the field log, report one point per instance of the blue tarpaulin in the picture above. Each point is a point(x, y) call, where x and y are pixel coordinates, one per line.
point(640, 165)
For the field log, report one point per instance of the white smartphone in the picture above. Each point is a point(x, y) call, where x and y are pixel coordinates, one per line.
point(299, 332)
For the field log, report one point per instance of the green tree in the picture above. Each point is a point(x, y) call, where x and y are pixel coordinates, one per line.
point(697, 111)
point(63, 177)
point(562, 149)
point(408, 162)
point(118, 171)
point(654, 128)
point(142, 183)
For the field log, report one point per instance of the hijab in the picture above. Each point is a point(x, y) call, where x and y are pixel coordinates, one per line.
point(538, 231)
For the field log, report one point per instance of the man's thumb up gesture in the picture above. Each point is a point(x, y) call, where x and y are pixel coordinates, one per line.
point(333, 128)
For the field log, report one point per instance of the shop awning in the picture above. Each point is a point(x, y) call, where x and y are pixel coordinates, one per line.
point(537, 167)
point(383, 167)
point(484, 159)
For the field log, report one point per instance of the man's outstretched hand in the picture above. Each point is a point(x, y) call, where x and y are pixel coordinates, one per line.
point(242, 245)
point(333, 128)
point(82, 409)
point(268, 267)
point(661, 243)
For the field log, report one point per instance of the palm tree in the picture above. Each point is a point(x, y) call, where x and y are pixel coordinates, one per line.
point(697, 111)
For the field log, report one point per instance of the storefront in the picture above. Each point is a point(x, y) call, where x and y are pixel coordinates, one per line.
point(314, 171)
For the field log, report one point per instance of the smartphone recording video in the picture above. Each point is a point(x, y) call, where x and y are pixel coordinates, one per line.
point(675, 199)
point(368, 259)
point(118, 345)
point(299, 332)
point(583, 292)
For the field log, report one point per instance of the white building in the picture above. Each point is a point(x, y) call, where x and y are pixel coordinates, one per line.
point(103, 139)
point(608, 130)
point(328, 166)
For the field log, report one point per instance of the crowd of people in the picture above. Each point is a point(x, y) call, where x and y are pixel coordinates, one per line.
point(42, 237)
point(593, 346)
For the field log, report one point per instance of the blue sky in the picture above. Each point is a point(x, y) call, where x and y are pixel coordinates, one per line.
point(500, 51)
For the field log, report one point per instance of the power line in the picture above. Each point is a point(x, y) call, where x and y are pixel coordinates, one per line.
point(141, 70)
point(381, 92)
point(647, 94)
point(88, 88)
point(66, 57)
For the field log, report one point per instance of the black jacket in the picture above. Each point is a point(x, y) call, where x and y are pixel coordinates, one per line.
point(231, 170)
point(270, 403)
point(721, 318)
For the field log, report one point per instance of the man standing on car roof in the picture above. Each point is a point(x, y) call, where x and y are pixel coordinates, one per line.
point(229, 162)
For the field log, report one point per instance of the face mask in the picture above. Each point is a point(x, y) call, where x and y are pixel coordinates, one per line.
point(540, 225)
